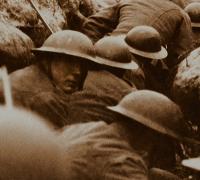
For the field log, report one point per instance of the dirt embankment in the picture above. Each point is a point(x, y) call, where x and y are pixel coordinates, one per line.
point(21, 14)
point(186, 86)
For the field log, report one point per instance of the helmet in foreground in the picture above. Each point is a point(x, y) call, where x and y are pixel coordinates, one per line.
point(29, 148)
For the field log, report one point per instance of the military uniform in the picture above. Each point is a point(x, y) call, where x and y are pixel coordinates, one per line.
point(167, 18)
point(97, 150)
point(33, 89)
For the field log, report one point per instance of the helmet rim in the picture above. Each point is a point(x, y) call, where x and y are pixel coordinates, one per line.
point(130, 65)
point(153, 125)
point(45, 49)
point(152, 55)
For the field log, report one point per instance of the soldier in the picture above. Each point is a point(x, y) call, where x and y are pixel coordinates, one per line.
point(62, 64)
point(167, 18)
point(144, 42)
point(134, 146)
point(60, 70)
point(193, 10)
point(153, 124)
point(124, 149)
point(115, 57)
point(104, 84)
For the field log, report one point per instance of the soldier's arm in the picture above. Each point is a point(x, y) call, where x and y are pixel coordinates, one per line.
point(103, 22)
point(183, 41)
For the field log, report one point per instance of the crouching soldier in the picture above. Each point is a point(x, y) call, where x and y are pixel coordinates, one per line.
point(60, 70)
point(153, 124)
point(144, 42)
point(104, 84)
point(124, 149)
point(62, 64)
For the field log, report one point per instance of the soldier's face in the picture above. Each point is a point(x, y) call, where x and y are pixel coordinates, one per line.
point(67, 72)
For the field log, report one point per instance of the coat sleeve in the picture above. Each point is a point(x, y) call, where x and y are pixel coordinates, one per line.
point(183, 41)
point(103, 22)
point(96, 150)
point(126, 166)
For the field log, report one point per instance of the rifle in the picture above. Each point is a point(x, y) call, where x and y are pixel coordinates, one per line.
point(40, 16)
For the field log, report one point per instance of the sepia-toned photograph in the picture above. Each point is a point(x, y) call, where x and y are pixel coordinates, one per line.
point(99, 89)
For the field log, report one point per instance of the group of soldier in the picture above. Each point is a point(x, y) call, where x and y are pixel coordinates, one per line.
point(96, 102)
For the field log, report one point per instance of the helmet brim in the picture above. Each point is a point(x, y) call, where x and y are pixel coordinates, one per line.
point(193, 163)
point(130, 66)
point(152, 55)
point(153, 125)
point(63, 51)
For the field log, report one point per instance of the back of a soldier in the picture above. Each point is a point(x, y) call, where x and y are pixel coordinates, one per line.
point(101, 89)
point(161, 14)
point(96, 150)
point(106, 83)
point(166, 17)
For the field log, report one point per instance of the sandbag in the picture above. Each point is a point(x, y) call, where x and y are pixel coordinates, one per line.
point(15, 47)
point(186, 86)
point(22, 15)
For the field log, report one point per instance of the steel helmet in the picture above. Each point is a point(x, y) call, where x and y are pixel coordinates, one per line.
point(29, 148)
point(145, 41)
point(113, 51)
point(69, 42)
point(193, 10)
point(155, 111)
